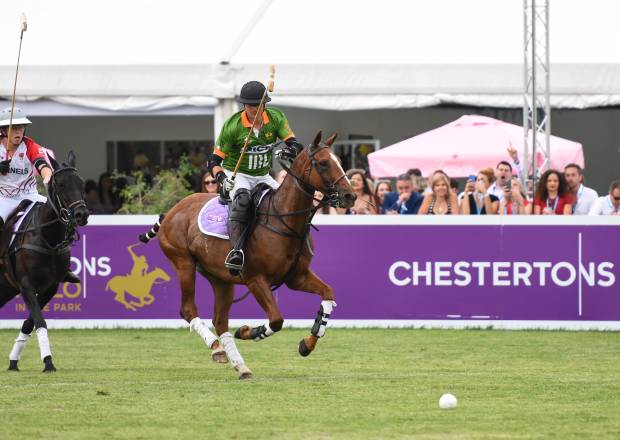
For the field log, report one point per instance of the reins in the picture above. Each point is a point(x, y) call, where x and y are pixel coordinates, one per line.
point(329, 198)
point(64, 215)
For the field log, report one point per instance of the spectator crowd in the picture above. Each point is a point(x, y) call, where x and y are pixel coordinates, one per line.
point(492, 191)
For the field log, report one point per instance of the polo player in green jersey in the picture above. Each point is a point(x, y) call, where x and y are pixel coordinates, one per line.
point(255, 164)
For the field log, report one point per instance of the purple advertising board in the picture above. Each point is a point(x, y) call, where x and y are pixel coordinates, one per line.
point(384, 271)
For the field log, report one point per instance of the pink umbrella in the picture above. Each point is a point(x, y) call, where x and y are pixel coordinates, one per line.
point(465, 146)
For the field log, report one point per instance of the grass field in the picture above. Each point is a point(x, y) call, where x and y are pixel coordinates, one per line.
point(358, 384)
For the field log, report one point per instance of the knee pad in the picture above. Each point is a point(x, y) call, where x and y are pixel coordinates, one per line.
point(240, 205)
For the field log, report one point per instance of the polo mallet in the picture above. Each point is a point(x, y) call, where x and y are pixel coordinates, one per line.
point(24, 27)
point(259, 112)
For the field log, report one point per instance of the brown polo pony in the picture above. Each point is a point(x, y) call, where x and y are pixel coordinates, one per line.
point(277, 252)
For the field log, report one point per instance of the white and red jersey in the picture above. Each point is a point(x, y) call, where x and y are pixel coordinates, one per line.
point(20, 180)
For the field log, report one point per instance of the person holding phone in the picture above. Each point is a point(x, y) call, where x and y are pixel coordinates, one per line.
point(515, 200)
point(477, 199)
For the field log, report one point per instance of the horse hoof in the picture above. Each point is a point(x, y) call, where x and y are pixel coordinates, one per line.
point(49, 369)
point(244, 372)
point(243, 332)
point(219, 356)
point(49, 366)
point(303, 348)
point(13, 366)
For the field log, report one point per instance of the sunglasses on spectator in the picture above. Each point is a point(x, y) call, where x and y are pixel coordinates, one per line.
point(617, 199)
point(210, 182)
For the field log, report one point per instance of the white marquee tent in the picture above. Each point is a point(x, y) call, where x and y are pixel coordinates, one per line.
point(156, 56)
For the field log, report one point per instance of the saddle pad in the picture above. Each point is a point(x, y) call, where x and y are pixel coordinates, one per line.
point(213, 217)
point(21, 216)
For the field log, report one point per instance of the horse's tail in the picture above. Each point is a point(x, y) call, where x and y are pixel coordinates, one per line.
point(145, 238)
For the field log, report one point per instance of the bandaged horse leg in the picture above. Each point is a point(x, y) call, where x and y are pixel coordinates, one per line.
point(20, 344)
point(34, 307)
point(26, 330)
point(16, 352)
point(309, 282)
point(261, 290)
point(223, 293)
point(238, 230)
point(199, 326)
point(185, 269)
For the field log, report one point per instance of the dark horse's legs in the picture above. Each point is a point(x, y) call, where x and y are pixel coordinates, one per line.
point(26, 330)
point(310, 282)
point(32, 303)
point(261, 290)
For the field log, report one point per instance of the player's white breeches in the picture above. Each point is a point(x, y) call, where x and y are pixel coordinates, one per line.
point(249, 182)
point(8, 204)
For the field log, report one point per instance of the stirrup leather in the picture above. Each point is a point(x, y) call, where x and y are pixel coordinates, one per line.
point(235, 254)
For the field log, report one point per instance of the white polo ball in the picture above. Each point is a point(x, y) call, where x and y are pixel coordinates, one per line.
point(447, 401)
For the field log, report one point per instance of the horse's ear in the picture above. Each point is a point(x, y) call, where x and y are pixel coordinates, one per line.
point(55, 165)
point(331, 139)
point(71, 159)
point(317, 139)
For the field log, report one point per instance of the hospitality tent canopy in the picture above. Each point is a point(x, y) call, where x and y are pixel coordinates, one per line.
point(464, 147)
point(152, 55)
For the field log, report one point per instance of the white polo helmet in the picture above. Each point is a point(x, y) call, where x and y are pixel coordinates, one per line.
point(19, 117)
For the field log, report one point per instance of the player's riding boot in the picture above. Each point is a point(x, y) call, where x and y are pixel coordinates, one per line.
point(237, 227)
point(71, 278)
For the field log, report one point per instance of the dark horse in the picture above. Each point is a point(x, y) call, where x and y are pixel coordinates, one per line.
point(38, 258)
point(277, 252)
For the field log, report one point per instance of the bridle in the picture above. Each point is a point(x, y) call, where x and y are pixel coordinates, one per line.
point(65, 214)
point(64, 211)
point(330, 191)
point(330, 197)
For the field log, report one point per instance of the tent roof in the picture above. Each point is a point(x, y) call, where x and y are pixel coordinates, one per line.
point(464, 146)
point(345, 54)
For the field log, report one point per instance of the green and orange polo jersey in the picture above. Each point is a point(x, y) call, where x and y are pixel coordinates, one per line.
point(257, 160)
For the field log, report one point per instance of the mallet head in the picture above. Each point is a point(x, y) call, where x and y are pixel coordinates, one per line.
point(272, 73)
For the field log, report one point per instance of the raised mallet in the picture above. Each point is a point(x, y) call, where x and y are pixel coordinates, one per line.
point(23, 27)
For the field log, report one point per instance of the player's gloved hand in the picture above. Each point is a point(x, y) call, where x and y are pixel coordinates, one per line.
point(287, 153)
point(5, 166)
point(228, 184)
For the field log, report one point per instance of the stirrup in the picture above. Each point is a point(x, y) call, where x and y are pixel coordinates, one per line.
point(234, 261)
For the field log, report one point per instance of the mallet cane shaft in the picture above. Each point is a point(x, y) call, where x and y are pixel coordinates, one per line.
point(259, 113)
point(24, 27)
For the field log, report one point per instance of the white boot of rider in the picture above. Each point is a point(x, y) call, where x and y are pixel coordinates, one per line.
point(18, 346)
point(202, 329)
point(44, 343)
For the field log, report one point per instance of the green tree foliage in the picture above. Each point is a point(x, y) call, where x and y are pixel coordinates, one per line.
point(168, 187)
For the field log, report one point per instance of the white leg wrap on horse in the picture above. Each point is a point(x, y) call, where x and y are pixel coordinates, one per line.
point(202, 329)
point(268, 331)
point(44, 343)
point(18, 346)
point(231, 349)
point(322, 318)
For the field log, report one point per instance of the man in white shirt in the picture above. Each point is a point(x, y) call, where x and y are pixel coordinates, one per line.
point(583, 197)
point(609, 204)
point(503, 174)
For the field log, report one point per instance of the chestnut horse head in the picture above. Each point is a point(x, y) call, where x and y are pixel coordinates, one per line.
point(318, 169)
